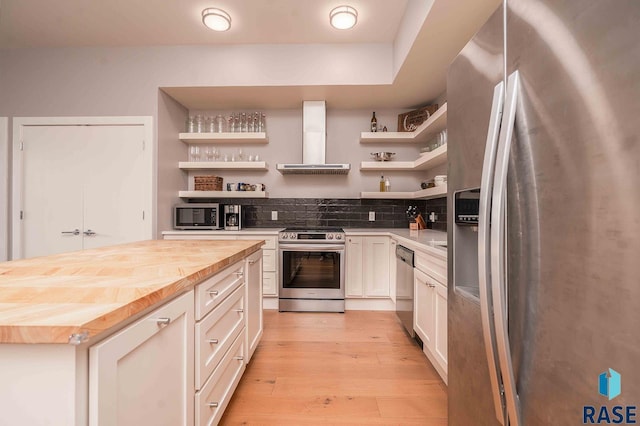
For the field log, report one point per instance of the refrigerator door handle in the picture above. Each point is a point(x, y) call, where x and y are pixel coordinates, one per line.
point(484, 249)
point(498, 279)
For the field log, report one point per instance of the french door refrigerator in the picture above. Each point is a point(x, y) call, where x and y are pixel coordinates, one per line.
point(544, 207)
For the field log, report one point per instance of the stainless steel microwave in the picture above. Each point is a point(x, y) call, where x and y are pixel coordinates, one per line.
point(197, 216)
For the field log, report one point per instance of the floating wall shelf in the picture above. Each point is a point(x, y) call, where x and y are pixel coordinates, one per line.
point(426, 131)
point(225, 137)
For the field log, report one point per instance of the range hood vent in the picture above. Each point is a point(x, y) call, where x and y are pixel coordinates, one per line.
point(314, 144)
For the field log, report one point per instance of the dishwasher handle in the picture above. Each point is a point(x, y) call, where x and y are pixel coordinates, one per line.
point(405, 254)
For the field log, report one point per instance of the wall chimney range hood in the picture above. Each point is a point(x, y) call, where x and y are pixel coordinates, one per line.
point(314, 143)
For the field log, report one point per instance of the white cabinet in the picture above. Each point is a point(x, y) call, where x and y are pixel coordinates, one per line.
point(430, 313)
point(253, 298)
point(269, 262)
point(354, 284)
point(221, 336)
point(144, 374)
point(367, 270)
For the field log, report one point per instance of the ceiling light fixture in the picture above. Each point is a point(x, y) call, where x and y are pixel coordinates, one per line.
point(343, 17)
point(216, 19)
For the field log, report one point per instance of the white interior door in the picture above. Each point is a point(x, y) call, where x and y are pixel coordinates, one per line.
point(95, 178)
point(114, 186)
point(52, 189)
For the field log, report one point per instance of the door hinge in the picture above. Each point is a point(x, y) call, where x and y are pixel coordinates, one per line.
point(21, 146)
point(143, 144)
point(142, 214)
point(21, 214)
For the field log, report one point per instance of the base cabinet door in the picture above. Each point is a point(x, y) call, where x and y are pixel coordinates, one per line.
point(440, 341)
point(144, 373)
point(375, 266)
point(354, 281)
point(367, 267)
point(424, 319)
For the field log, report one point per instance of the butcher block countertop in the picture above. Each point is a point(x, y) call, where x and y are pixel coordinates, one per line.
point(47, 299)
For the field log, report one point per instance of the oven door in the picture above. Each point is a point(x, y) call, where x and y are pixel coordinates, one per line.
point(312, 271)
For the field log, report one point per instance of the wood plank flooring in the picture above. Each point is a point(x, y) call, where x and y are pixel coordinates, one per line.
point(357, 368)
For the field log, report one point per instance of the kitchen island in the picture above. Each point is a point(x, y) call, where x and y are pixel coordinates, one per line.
point(59, 313)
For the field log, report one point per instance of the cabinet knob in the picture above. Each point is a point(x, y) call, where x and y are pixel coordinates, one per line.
point(212, 292)
point(212, 404)
point(163, 321)
point(251, 262)
point(212, 341)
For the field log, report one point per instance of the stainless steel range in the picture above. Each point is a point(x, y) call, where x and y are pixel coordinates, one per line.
point(312, 270)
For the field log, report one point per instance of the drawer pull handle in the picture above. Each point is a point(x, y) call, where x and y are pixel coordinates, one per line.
point(212, 341)
point(163, 321)
point(212, 292)
point(251, 262)
point(239, 273)
point(212, 404)
point(238, 358)
point(240, 310)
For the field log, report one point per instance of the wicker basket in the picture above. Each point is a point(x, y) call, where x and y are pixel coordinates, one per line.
point(207, 183)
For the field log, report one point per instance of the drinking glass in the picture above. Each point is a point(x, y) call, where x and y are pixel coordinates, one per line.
point(194, 153)
point(199, 122)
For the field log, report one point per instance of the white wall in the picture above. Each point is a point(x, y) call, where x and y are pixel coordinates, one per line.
point(4, 188)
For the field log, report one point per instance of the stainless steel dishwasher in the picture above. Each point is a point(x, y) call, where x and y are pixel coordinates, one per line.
point(404, 287)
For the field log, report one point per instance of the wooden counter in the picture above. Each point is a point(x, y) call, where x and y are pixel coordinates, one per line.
point(47, 299)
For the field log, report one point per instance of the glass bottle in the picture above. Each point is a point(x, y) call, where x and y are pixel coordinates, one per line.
point(263, 122)
point(383, 186)
point(374, 123)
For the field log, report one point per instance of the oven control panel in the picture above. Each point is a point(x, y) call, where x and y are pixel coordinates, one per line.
point(312, 236)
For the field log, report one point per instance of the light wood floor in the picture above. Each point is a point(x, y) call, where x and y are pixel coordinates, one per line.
point(357, 368)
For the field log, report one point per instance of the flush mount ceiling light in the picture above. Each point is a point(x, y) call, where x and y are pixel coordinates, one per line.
point(216, 19)
point(343, 17)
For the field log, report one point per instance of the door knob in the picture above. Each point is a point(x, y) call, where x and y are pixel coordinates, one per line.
point(89, 232)
point(74, 232)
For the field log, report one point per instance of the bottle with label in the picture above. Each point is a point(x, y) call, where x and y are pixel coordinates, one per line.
point(383, 186)
point(374, 123)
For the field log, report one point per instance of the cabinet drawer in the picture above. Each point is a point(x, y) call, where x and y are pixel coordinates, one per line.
point(214, 397)
point(269, 241)
point(216, 332)
point(269, 284)
point(269, 260)
point(212, 291)
point(432, 265)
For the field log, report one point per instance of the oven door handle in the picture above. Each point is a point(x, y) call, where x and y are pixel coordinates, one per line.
point(311, 247)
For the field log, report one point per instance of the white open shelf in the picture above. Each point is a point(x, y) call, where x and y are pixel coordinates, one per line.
point(426, 131)
point(424, 162)
point(223, 165)
point(223, 194)
point(225, 137)
point(423, 194)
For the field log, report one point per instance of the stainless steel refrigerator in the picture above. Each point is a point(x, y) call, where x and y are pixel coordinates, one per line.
point(544, 213)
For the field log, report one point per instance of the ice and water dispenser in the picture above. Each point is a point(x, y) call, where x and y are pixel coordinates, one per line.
point(465, 242)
